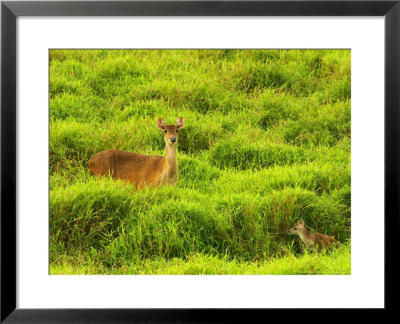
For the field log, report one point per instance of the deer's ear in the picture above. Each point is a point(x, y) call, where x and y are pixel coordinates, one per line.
point(161, 123)
point(302, 221)
point(180, 123)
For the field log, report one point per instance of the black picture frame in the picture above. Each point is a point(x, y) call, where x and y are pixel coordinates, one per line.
point(10, 10)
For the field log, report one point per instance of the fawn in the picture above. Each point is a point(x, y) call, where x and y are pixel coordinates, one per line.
point(142, 170)
point(312, 240)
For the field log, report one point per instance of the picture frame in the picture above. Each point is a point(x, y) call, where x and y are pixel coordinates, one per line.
point(10, 10)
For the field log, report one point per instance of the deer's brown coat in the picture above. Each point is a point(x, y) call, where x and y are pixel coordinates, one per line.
point(138, 169)
point(315, 241)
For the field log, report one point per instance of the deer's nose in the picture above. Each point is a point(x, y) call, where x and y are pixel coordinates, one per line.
point(173, 139)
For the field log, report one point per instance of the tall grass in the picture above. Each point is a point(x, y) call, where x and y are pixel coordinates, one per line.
point(266, 142)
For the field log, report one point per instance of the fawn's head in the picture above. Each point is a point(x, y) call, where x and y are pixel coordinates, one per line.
point(171, 131)
point(296, 229)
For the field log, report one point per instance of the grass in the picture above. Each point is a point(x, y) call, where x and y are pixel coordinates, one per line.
point(331, 263)
point(266, 142)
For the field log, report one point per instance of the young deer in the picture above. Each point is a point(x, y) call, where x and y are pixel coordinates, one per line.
point(312, 240)
point(142, 170)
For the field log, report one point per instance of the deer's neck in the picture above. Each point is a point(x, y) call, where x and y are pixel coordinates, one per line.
point(171, 161)
point(304, 234)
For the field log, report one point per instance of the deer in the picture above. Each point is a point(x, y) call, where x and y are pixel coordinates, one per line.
point(138, 169)
point(313, 241)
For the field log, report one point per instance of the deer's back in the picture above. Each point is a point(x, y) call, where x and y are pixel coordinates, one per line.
point(136, 168)
point(323, 241)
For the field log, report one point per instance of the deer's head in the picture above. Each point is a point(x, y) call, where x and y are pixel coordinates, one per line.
point(171, 131)
point(296, 229)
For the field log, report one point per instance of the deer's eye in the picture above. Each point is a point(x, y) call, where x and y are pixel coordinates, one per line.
point(165, 132)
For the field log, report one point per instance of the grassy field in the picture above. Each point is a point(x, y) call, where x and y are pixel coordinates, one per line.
point(266, 142)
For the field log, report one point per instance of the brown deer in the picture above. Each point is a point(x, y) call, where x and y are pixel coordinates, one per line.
point(312, 240)
point(142, 170)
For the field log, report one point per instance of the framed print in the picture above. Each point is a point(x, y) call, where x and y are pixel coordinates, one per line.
point(164, 158)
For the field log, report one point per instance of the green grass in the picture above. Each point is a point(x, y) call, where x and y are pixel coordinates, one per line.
point(266, 142)
point(331, 263)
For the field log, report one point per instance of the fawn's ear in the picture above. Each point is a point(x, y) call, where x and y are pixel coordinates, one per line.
point(180, 123)
point(301, 221)
point(161, 123)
